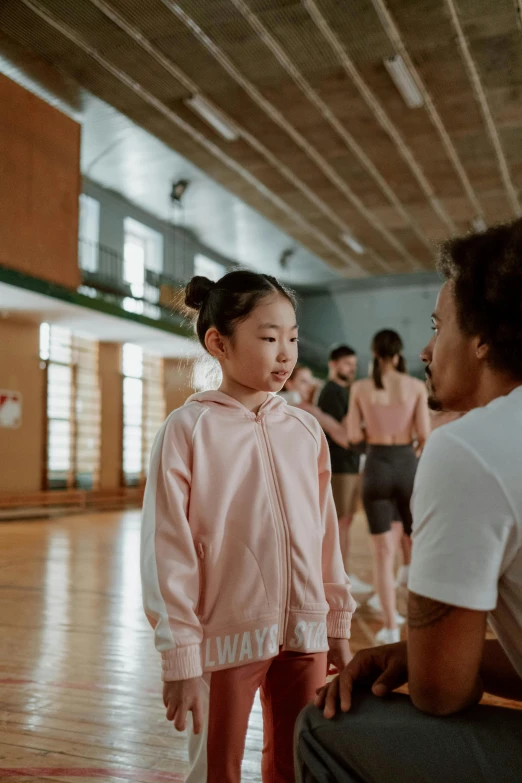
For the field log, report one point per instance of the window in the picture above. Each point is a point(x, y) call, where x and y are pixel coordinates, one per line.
point(73, 408)
point(143, 410)
point(132, 368)
point(143, 251)
point(89, 234)
point(208, 268)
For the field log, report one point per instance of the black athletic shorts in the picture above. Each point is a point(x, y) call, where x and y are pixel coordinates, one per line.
point(388, 479)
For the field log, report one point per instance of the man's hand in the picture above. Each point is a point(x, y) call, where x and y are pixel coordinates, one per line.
point(339, 654)
point(383, 668)
point(184, 696)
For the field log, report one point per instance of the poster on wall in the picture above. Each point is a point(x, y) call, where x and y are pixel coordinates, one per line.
point(10, 409)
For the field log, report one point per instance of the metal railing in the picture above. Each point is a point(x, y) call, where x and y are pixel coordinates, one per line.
point(157, 296)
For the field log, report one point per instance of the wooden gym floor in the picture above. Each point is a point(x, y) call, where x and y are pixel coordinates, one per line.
point(80, 691)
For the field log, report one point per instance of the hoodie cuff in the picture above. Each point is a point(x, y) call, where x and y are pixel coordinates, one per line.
point(181, 663)
point(338, 624)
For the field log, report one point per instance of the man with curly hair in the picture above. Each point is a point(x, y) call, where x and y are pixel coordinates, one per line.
point(467, 560)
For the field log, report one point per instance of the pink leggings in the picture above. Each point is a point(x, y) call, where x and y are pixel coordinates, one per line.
point(288, 683)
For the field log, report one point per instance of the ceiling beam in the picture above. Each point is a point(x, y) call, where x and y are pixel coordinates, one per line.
point(283, 123)
point(395, 37)
point(380, 113)
point(193, 88)
point(198, 137)
point(482, 101)
point(329, 116)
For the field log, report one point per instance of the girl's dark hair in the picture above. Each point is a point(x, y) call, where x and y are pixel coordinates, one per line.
point(231, 300)
point(386, 345)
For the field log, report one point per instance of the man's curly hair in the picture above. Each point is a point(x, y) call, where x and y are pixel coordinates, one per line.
point(486, 273)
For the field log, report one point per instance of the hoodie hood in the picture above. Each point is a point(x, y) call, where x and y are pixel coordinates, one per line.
point(226, 402)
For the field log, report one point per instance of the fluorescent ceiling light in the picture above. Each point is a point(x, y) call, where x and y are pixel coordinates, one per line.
point(353, 243)
point(478, 224)
point(404, 82)
point(212, 116)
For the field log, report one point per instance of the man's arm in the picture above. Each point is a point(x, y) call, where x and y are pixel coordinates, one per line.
point(336, 430)
point(445, 645)
point(461, 538)
point(450, 664)
point(497, 672)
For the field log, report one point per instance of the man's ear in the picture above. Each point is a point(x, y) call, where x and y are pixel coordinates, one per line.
point(481, 349)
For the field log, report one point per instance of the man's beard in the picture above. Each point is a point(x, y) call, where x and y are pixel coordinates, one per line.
point(433, 403)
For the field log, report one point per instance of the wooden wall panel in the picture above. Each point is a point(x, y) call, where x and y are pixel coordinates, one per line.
point(21, 449)
point(178, 382)
point(39, 187)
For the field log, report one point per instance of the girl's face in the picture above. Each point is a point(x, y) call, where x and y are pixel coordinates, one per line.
point(302, 383)
point(262, 352)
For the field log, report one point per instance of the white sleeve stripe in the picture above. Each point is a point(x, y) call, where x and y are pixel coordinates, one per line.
point(153, 602)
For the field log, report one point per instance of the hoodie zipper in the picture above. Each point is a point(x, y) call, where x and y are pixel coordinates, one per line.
point(283, 537)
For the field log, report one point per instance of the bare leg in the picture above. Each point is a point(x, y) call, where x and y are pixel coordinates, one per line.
point(345, 524)
point(384, 553)
point(397, 530)
point(406, 549)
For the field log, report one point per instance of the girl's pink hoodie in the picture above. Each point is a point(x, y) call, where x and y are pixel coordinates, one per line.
point(240, 551)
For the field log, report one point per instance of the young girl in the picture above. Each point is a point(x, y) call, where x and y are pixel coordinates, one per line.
point(242, 574)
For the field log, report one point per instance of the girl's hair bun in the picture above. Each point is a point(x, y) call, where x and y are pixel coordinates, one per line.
point(197, 291)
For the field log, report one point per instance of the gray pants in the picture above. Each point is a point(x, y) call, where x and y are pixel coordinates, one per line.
point(389, 741)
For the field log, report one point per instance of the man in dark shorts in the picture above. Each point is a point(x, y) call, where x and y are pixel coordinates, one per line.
point(346, 481)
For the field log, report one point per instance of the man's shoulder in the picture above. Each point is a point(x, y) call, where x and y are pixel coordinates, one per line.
point(487, 438)
point(500, 421)
point(453, 441)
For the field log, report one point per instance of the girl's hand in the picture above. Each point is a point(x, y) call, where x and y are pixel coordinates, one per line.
point(339, 654)
point(180, 697)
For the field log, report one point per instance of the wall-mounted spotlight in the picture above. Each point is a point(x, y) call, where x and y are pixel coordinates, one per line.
point(286, 255)
point(178, 190)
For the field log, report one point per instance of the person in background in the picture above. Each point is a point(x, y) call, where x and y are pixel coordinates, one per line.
point(389, 411)
point(401, 539)
point(242, 573)
point(299, 390)
point(346, 481)
point(299, 387)
point(466, 567)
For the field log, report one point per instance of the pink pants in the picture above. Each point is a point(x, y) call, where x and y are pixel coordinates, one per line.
point(288, 683)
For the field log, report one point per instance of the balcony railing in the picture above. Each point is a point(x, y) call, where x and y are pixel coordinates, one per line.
point(157, 296)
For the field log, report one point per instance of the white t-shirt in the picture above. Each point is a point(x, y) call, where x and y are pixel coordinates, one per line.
point(467, 518)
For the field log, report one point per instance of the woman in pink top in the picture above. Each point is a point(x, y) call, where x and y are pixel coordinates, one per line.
point(390, 412)
point(243, 579)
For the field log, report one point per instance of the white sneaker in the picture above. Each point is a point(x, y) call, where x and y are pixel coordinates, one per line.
point(402, 576)
point(358, 586)
point(374, 605)
point(388, 636)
